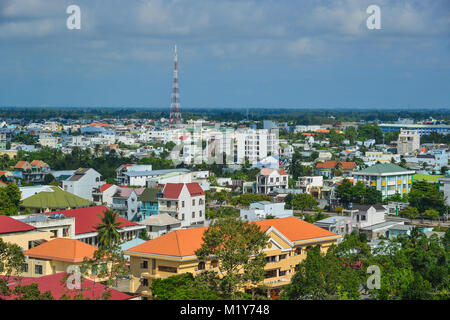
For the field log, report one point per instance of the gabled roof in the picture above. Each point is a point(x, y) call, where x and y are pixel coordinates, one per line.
point(149, 195)
point(62, 249)
point(22, 165)
point(162, 219)
point(105, 187)
point(195, 189)
point(184, 242)
point(55, 199)
point(86, 219)
point(269, 171)
point(173, 190)
point(10, 225)
point(56, 285)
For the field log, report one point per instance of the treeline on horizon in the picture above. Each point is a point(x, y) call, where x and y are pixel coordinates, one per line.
point(292, 116)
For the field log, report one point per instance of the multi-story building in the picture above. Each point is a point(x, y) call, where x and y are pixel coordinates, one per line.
point(388, 178)
point(269, 179)
point(33, 172)
point(408, 141)
point(311, 185)
point(125, 202)
point(326, 168)
point(254, 145)
point(183, 201)
point(174, 253)
point(83, 182)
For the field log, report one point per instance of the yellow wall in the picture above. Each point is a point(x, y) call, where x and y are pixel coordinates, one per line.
point(22, 239)
point(276, 247)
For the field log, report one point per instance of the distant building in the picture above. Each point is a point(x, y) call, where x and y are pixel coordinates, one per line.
point(269, 179)
point(408, 141)
point(264, 209)
point(388, 178)
point(33, 172)
point(326, 168)
point(83, 182)
point(341, 225)
point(160, 224)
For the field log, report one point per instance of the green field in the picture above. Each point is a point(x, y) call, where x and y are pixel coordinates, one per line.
point(427, 177)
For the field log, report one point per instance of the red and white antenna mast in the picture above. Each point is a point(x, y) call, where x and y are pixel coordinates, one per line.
point(175, 108)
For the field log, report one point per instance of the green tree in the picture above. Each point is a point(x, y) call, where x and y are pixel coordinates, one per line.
point(322, 277)
point(303, 201)
point(238, 246)
point(186, 287)
point(424, 196)
point(410, 212)
point(10, 200)
point(107, 229)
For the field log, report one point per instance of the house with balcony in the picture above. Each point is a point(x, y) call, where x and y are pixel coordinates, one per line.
point(148, 203)
point(174, 253)
point(87, 219)
point(388, 178)
point(183, 201)
point(328, 168)
point(268, 180)
point(33, 172)
point(311, 185)
point(125, 202)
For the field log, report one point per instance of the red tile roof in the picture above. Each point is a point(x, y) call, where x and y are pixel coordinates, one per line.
point(86, 219)
point(173, 190)
point(10, 225)
point(62, 249)
point(55, 284)
point(195, 189)
point(105, 187)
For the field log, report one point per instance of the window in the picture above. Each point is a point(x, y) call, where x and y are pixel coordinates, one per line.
point(283, 256)
point(144, 264)
point(25, 267)
point(201, 266)
point(363, 218)
point(200, 213)
point(214, 263)
point(30, 244)
point(182, 216)
point(167, 269)
point(271, 274)
point(169, 203)
point(182, 204)
point(193, 215)
point(145, 282)
point(55, 233)
point(193, 202)
point(38, 269)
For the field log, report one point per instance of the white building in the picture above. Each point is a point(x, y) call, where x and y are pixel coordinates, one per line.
point(183, 201)
point(255, 144)
point(262, 210)
point(83, 182)
point(364, 216)
point(269, 179)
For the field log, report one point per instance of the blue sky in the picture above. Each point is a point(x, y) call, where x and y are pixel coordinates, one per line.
point(233, 53)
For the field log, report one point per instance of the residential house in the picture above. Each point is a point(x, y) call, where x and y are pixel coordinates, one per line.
point(268, 180)
point(87, 220)
point(341, 225)
point(388, 178)
point(160, 224)
point(33, 172)
point(83, 182)
point(326, 168)
point(148, 203)
point(48, 198)
point(265, 209)
point(174, 253)
point(183, 201)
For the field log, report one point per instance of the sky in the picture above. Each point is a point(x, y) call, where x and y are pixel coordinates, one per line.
point(232, 53)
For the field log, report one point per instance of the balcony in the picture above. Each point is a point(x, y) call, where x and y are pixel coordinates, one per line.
point(119, 206)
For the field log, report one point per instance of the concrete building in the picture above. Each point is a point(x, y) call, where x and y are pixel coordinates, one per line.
point(183, 201)
point(264, 209)
point(255, 145)
point(363, 216)
point(408, 141)
point(269, 179)
point(311, 185)
point(387, 178)
point(83, 182)
point(160, 224)
point(341, 225)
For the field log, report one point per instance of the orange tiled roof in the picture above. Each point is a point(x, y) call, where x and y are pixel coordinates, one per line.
point(184, 242)
point(268, 171)
point(332, 163)
point(62, 249)
point(22, 164)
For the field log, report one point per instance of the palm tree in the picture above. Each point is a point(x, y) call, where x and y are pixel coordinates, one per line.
point(107, 229)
